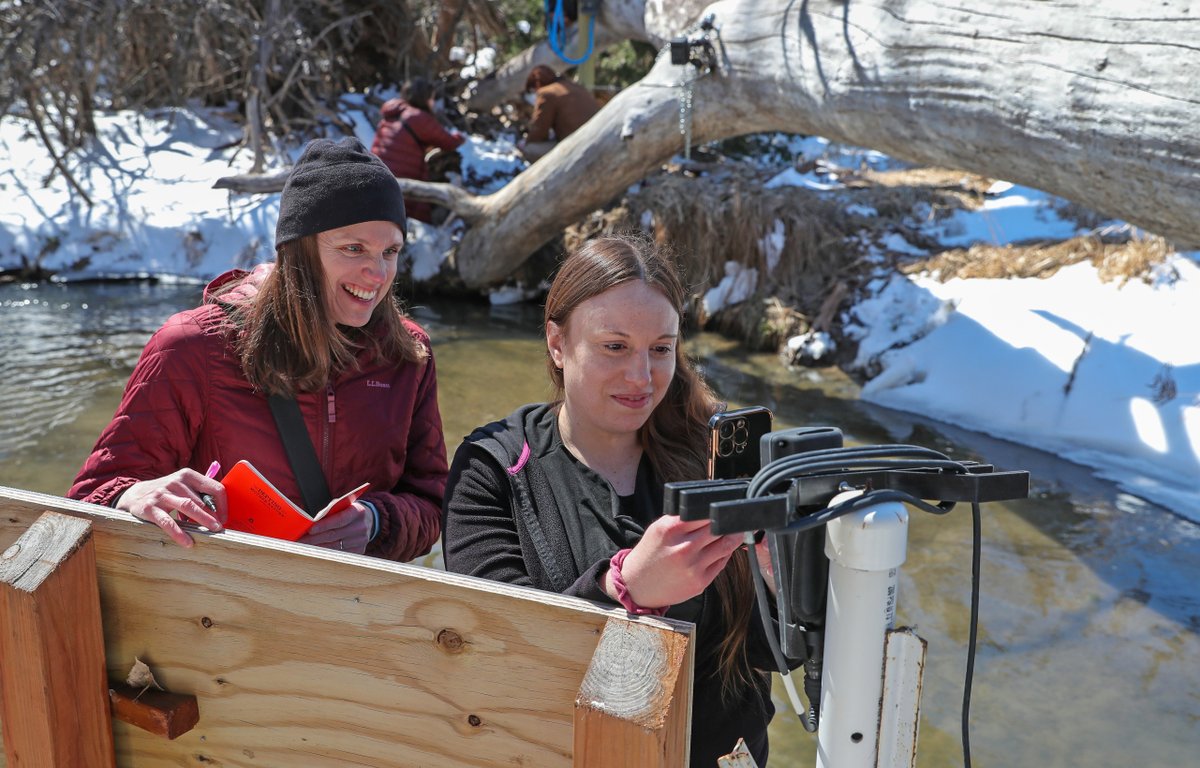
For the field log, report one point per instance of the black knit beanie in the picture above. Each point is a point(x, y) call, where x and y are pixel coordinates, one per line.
point(335, 184)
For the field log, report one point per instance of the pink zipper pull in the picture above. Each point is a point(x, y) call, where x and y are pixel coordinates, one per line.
point(332, 409)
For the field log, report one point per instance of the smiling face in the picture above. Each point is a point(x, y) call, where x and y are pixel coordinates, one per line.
point(617, 355)
point(359, 263)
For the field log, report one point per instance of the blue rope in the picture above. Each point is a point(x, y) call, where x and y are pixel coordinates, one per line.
point(556, 34)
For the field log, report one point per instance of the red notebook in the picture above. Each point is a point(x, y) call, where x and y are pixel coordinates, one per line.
point(257, 506)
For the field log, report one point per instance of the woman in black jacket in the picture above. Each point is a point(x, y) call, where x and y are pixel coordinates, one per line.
point(566, 496)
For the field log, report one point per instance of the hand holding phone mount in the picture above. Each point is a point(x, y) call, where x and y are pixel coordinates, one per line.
point(807, 483)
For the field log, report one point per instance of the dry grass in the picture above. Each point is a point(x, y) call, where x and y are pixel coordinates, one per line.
point(1114, 261)
point(967, 189)
point(727, 215)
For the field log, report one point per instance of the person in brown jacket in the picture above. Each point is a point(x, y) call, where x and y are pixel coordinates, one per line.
point(560, 106)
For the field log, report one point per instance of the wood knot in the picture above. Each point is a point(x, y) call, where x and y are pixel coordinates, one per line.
point(474, 720)
point(450, 641)
point(206, 622)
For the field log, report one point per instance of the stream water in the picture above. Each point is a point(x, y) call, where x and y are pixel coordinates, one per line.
point(1089, 640)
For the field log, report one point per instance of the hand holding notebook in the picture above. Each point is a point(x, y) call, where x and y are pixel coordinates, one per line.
point(257, 506)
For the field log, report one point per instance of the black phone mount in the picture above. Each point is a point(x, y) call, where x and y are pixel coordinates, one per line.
point(801, 472)
point(799, 507)
point(797, 557)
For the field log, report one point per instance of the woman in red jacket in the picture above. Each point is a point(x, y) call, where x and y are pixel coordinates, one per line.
point(407, 131)
point(321, 326)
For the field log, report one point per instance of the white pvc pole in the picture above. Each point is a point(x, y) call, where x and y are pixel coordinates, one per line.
point(865, 551)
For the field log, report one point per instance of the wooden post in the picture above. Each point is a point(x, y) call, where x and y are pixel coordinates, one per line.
point(53, 684)
point(635, 704)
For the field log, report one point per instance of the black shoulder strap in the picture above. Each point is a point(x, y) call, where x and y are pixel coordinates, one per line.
point(411, 132)
point(300, 453)
point(531, 491)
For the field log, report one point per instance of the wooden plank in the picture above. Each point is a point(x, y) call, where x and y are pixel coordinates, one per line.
point(305, 656)
point(52, 681)
point(634, 705)
point(162, 713)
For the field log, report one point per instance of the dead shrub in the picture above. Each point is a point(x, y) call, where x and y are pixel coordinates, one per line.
point(63, 61)
point(1134, 258)
point(716, 220)
point(727, 215)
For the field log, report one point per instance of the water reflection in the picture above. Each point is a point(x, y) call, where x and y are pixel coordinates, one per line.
point(65, 352)
point(1090, 610)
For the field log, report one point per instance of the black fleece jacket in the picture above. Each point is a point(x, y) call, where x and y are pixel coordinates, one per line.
point(580, 523)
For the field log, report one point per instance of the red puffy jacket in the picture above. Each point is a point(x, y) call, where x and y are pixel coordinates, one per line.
point(403, 137)
point(188, 403)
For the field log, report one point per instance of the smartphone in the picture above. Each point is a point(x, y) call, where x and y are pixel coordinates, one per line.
point(733, 442)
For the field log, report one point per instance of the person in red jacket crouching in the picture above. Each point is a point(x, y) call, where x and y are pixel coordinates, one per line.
point(407, 131)
point(319, 326)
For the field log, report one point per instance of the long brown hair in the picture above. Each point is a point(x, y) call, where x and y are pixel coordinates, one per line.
point(539, 76)
point(288, 341)
point(675, 436)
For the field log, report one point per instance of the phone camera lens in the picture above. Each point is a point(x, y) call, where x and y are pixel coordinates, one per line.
point(726, 430)
point(725, 447)
point(741, 438)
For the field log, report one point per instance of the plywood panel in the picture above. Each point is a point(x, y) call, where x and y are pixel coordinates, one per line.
point(303, 656)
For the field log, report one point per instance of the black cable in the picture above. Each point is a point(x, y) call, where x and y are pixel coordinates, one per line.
point(973, 632)
point(812, 462)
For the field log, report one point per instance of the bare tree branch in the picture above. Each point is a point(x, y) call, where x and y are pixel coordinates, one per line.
point(35, 115)
point(466, 205)
point(282, 91)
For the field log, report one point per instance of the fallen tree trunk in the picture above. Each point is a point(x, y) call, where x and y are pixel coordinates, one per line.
point(1053, 94)
point(469, 207)
point(1081, 99)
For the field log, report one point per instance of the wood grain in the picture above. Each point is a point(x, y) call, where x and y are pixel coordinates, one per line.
point(55, 704)
point(1090, 100)
point(636, 693)
point(305, 656)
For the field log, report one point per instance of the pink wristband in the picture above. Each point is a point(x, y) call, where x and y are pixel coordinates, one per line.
point(614, 567)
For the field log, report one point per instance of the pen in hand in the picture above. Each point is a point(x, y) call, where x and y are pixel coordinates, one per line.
point(213, 469)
